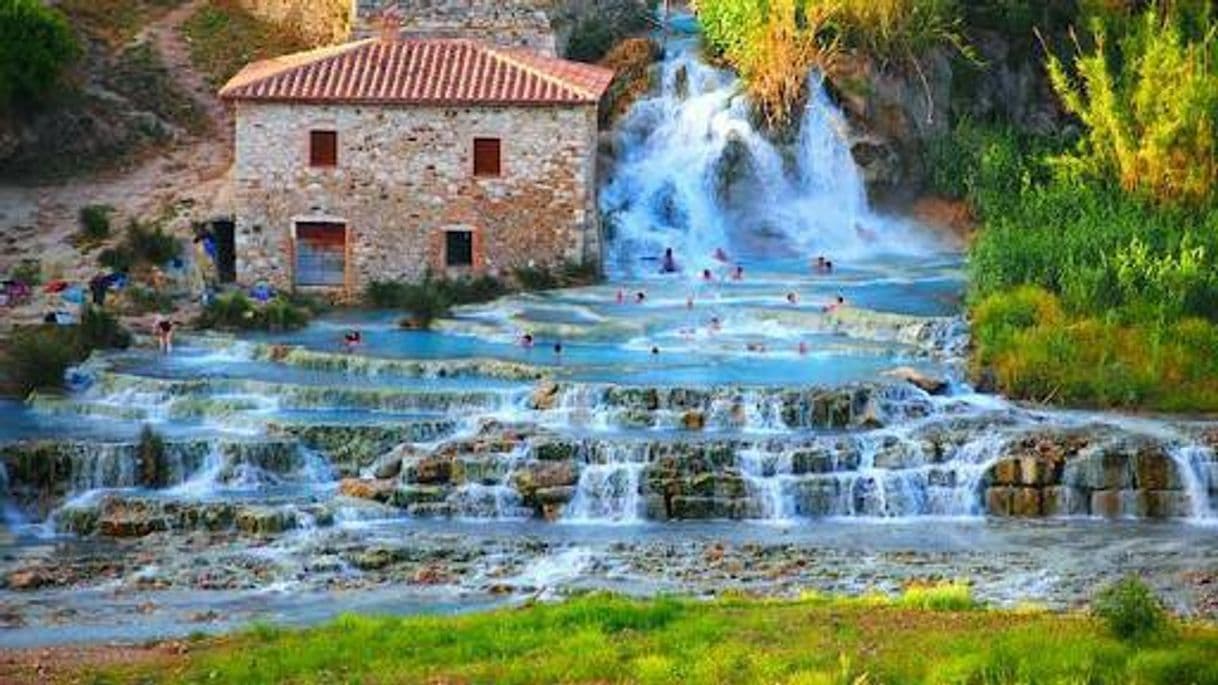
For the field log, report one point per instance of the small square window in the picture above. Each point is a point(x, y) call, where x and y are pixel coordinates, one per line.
point(459, 248)
point(486, 157)
point(323, 148)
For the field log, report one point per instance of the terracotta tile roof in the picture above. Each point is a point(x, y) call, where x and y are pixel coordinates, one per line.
point(424, 71)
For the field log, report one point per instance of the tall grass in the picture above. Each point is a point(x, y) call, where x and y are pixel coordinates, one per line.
point(603, 638)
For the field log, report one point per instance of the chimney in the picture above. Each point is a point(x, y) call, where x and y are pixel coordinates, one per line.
point(391, 22)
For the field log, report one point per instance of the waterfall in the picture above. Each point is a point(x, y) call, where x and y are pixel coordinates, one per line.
point(693, 173)
point(1193, 464)
point(608, 487)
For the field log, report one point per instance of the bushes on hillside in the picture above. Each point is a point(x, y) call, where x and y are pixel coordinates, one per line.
point(36, 357)
point(1147, 94)
point(142, 245)
point(36, 46)
point(94, 223)
point(609, 22)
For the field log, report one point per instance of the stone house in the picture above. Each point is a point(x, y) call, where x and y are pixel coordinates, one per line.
point(386, 158)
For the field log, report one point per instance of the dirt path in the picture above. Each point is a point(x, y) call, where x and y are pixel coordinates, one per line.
point(39, 220)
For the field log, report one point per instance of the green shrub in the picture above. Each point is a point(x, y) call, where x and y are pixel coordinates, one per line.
point(954, 596)
point(1130, 610)
point(36, 47)
point(609, 22)
point(99, 329)
point(1147, 94)
point(142, 245)
point(95, 223)
point(143, 300)
point(36, 357)
point(431, 298)
point(235, 311)
point(535, 278)
point(28, 271)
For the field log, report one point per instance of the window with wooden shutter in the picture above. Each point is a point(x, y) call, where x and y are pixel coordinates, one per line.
point(486, 157)
point(323, 148)
point(321, 253)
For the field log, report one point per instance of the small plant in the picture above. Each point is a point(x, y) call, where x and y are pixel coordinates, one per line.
point(431, 298)
point(95, 223)
point(611, 21)
point(1130, 610)
point(142, 245)
point(142, 300)
point(535, 278)
point(953, 596)
point(28, 271)
point(236, 312)
point(100, 330)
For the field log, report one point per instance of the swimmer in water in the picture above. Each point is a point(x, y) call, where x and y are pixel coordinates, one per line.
point(720, 255)
point(792, 298)
point(621, 296)
point(715, 324)
point(738, 273)
point(835, 305)
point(352, 339)
point(803, 348)
point(655, 351)
point(707, 275)
point(669, 263)
point(526, 341)
point(640, 297)
point(558, 349)
point(689, 302)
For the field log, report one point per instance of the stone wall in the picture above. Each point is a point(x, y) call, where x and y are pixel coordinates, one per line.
point(1073, 475)
point(404, 176)
point(320, 22)
point(507, 23)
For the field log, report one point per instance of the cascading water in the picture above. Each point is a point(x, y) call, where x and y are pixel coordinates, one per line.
point(694, 174)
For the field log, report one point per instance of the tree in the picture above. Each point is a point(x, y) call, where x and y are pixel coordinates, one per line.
point(36, 45)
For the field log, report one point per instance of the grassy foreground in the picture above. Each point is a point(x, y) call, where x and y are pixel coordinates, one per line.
point(935, 635)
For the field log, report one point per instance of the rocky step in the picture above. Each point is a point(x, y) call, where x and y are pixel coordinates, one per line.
point(350, 447)
point(42, 474)
point(130, 388)
point(125, 515)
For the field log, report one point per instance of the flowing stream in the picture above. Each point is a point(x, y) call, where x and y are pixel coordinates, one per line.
point(724, 423)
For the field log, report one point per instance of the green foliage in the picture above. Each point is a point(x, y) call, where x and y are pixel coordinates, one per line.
point(608, 23)
point(99, 329)
point(773, 43)
point(27, 271)
point(954, 596)
point(605, 638)
point(432, 298)
point(1147, 94)
point(224, 38)
point(537, 278)
point(142, 300)
point(1130, 610)
point(36, 357)
point(95, 223)
point(142, 245)
point(140, 75)
point(36, 46)
point(1026, 346)
point(234, 311)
